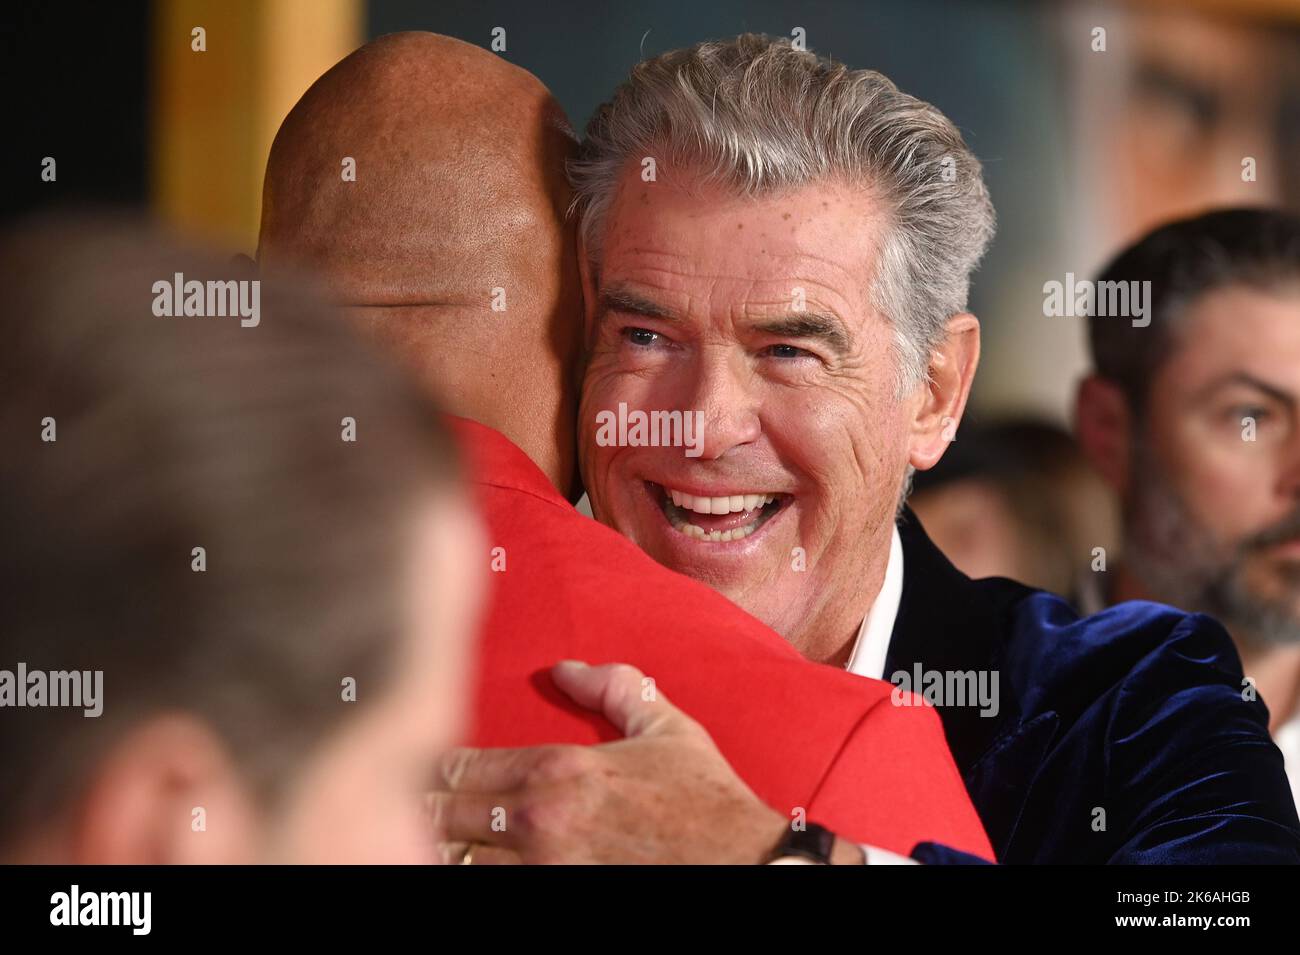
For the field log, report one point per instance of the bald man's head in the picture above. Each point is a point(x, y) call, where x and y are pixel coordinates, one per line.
point(450, 241)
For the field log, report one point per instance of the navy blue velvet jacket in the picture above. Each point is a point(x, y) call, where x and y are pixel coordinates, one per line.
point(1137, 711)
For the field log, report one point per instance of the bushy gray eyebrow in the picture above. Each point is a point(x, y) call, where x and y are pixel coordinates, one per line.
point(620, 299)
point(809, 325)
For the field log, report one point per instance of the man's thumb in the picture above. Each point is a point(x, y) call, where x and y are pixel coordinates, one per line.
point(623, 694)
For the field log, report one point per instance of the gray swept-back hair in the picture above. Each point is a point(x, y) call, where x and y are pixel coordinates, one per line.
point(757, 115)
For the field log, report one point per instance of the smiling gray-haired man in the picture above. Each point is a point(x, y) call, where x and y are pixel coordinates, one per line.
point(750, 281)
point(785, 245)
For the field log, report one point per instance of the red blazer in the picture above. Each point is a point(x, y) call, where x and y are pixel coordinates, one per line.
point(800, 734)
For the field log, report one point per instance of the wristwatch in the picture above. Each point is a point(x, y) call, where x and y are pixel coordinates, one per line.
point(811, 845)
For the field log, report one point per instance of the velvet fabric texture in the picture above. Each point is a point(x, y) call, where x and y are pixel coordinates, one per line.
point(1124, 737)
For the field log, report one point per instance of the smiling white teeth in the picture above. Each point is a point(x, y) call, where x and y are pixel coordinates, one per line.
point(716, 537)
point(730, 504)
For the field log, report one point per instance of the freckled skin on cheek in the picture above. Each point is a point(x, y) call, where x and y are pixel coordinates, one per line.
point(785, 415)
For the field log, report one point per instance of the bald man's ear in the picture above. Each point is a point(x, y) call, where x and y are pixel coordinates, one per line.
point(1104, 427)
point(952, 370)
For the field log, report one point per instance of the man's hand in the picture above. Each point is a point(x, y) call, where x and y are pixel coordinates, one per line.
point(663, 794)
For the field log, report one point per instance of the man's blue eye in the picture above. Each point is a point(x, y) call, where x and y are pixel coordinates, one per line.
point(641, 336)
point(786, 351)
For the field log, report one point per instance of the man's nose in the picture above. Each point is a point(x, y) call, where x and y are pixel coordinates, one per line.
point(723, 392)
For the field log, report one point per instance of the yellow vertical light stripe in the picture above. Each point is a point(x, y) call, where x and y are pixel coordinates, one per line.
point(215, 113)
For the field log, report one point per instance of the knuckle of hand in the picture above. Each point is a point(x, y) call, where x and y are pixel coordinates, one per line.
point(625, 672)
point(537, 819)
point(561, 763)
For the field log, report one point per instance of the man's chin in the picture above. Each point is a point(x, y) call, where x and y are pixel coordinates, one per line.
point(755, 591)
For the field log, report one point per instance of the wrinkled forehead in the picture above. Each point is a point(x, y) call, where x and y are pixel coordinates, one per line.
point(822, 239)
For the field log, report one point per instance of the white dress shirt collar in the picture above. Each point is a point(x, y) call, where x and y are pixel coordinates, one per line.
point(872, 645)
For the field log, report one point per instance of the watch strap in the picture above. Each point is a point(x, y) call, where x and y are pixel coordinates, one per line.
point(812, 842)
